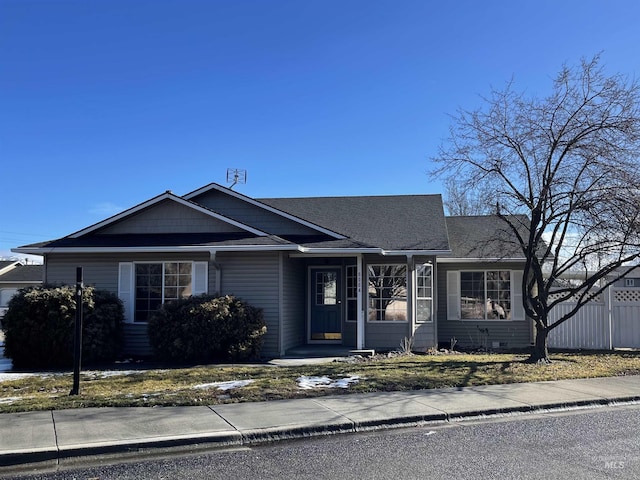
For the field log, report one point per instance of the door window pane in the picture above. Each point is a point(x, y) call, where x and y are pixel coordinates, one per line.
point(326, 288)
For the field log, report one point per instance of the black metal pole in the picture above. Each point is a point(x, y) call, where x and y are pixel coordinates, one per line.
point(77, 344)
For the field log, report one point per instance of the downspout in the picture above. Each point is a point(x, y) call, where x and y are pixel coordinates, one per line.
point(281, 347)
point(218, 268)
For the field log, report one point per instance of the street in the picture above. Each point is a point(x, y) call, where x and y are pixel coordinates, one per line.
point(588, 443)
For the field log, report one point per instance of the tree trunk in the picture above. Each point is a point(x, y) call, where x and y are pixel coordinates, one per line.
point(540, 353)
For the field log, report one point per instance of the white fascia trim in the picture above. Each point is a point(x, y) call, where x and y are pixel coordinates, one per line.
point(416, 252)
point(167, 249)
point(479, 260)
point(337, 251)
point(175, 198)
point(378, 251)
point(239, 196)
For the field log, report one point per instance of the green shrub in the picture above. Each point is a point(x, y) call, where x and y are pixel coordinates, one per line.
point(39, 326)
point(206, 328)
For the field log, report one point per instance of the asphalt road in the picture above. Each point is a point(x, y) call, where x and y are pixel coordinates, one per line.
point(580, 444)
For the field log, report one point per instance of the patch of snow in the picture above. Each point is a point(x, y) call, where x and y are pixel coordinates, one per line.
point(108, 373)
point(225, 385)
point(9, 400)
point(308, 383)
point(8, 376)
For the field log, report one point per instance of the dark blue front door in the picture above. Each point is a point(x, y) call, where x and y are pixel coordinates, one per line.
point(325, 324)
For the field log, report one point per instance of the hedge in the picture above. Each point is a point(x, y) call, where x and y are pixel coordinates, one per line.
point(206, 328)
point(39, 326)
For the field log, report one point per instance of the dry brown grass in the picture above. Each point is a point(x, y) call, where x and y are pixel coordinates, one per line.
point(176, 386)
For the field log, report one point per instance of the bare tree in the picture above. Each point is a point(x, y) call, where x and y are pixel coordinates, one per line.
point(459, 201)
point(570, 163)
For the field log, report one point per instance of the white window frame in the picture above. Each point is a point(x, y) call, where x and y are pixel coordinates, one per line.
point(454, 298)
point(418, 297)
point(127, 283)
point(629, 282)
point(406, 296)
point(351, 292)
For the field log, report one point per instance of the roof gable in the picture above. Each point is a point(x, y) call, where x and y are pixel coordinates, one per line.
point(165, 213)
point(254, 212)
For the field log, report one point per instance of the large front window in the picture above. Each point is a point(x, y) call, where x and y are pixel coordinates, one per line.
point(156, 283)
point(485, 295)
point(387, 293)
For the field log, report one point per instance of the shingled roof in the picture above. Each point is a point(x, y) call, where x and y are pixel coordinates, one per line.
point(483, 237)
point(23, 274)
point(394, 222)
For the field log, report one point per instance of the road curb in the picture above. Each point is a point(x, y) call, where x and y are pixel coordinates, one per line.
point(271, 435)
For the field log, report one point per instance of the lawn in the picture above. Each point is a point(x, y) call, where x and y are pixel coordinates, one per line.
point(199, 385)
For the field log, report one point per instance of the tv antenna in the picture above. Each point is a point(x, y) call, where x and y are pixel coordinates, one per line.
point(235, 176)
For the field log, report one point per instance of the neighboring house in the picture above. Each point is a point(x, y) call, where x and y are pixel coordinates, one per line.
point(363, 272)
point(631, 279)
point(15, 275)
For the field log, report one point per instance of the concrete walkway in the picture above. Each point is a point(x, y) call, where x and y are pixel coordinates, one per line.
point(54, 436)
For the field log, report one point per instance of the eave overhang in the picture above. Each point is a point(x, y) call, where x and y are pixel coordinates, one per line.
point(302, 250)
point(480, 260)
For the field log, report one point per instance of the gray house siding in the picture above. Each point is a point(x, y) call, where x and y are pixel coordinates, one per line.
point(249, 214)
point(101, 271)
point(169, 217)
point(254, 277)
point(293, 303)
point(477, 333)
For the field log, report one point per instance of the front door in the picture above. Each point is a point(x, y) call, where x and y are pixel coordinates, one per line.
point(325, 305)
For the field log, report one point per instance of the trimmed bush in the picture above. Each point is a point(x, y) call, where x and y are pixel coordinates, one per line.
point(206, 328)
point(39, 326)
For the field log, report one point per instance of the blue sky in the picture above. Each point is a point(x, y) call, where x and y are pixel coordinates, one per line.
point(107, 103)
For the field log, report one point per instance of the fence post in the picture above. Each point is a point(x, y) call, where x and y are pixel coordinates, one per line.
point(608, 300)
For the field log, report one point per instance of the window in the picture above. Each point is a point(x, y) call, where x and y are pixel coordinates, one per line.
point(326, 288)
point(387, 293)
point(629, 282)
point(352, 293)
point(157, 283)
point(144, 286)
point(484, 295)
point(424, 295)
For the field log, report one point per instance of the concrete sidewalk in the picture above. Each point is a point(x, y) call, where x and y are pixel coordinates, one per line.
point(52, 436)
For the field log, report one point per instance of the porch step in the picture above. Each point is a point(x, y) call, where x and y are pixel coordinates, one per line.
point(362, 353)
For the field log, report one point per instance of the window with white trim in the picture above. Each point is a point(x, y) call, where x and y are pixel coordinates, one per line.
point(484, 295)
point(352, 293)
point(424, 293)
point(157, 283)
point(144, 286)
point(387, 293)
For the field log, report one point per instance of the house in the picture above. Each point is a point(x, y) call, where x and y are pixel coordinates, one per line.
point(14, 275)
point(361, 271)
